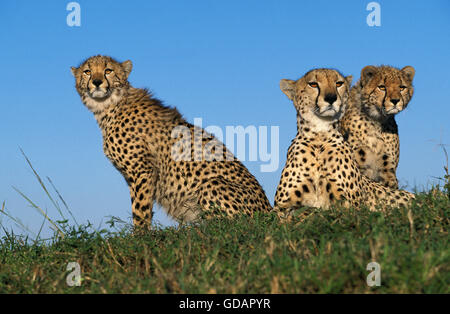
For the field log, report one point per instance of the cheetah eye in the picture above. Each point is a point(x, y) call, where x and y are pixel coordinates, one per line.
point(313, 84)
point(87, 72)
point(339, 84)
point(108, 71)
point(382, 87)
point(402, 87)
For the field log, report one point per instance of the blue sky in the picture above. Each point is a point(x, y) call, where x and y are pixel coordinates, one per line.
point(217, 60)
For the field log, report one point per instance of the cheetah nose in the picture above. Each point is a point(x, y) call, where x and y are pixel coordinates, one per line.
point(395, 101)
point(97, 82)
point(330, 98)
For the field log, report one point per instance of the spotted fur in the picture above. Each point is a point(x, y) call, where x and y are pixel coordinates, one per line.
point(369, 123)
point(138, 137)
point(320, 169)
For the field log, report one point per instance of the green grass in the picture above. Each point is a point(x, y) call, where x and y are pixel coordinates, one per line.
point(326, 252)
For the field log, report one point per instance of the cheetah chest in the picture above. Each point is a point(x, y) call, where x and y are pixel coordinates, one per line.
point(321, 170)
point(373, 153)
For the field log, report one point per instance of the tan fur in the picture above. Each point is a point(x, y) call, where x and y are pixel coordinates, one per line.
point(138, 138)
point(369, 124)
point(320, 169)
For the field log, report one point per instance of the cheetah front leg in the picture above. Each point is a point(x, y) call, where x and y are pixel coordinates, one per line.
point(387, 174)
point(142, 192)
point(389, 179)
point(291, 196)
point(377, 195)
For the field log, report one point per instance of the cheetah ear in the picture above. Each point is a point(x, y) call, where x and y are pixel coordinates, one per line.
point(288, 88)
point(127, 67)
point(409, 72)
point(367, 73)
point(349, 80)
point(74, 71)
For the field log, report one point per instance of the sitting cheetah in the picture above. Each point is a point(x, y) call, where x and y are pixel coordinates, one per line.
point(157, 151)
point(369, 124)
point(320, 168)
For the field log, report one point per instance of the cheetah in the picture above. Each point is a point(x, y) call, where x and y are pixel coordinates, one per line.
point(320, 169)
point(369, 122)
point(163, 158)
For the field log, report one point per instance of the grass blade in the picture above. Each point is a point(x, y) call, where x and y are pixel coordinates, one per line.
point(40, 211)
point(43, 185)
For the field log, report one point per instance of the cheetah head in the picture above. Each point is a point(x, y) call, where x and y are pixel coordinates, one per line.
point(385, 90)
point(320, 96)
point(101, 81)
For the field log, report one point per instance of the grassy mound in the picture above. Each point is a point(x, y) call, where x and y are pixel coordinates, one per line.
point(326, 252)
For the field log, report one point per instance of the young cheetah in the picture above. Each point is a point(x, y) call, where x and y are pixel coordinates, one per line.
point(162, 157)
point(369, 124)
point(320, 168)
